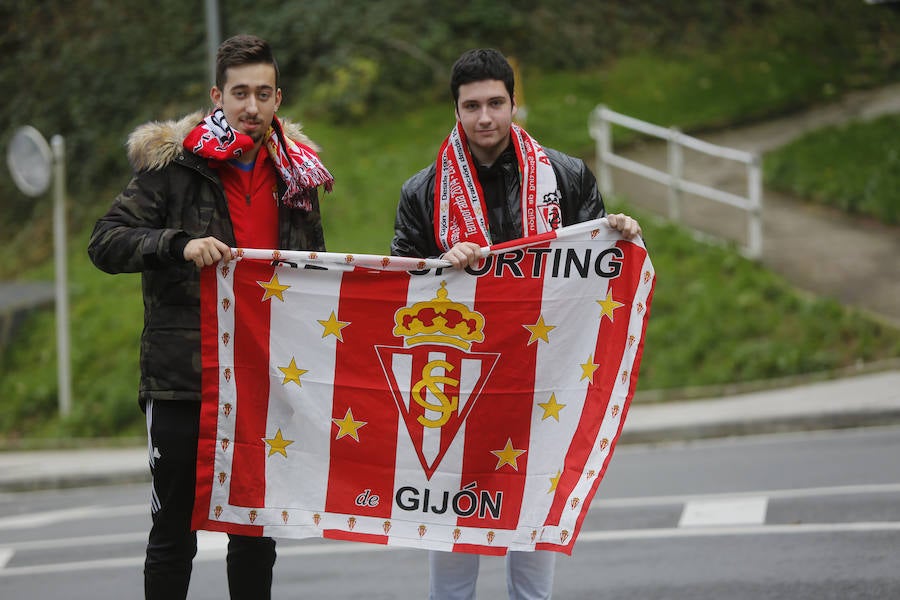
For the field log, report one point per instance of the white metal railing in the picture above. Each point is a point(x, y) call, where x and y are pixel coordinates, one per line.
point(600, 131)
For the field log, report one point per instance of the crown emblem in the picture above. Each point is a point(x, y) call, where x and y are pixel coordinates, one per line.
point(439, 321)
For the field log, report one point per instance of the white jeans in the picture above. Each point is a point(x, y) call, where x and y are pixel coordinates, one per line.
point(529, 575)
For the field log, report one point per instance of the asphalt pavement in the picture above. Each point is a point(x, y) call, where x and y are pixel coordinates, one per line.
point(865, 400)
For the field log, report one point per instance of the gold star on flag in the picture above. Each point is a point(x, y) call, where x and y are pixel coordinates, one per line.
point(347, 426)
point(333, 327)
point(292, 373)
point(277, 444)
point(273, 288)
point(588, 368)
point(608, 306)
point(507, 456)
point(551, 408)
point(539, 331)
point(554, 481)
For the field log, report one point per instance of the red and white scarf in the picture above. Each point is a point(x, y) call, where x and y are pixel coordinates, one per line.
point(460, 211)
point(299, 165)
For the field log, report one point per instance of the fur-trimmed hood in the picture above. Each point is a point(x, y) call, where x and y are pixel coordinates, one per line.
point(154, 145)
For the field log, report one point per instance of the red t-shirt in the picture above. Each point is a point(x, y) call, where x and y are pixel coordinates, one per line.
point(252, 194)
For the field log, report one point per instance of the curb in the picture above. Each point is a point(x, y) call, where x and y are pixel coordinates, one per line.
point(749, 427)
point(62, 482)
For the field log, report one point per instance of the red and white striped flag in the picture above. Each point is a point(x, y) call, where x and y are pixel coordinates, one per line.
point(396, 401)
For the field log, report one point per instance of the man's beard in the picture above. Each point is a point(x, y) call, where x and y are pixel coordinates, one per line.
point(257, 135)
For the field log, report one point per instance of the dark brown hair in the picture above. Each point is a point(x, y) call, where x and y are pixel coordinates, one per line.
point(242, 50)
point(479, 65)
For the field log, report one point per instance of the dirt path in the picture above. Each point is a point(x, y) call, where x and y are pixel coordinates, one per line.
point(852, 259)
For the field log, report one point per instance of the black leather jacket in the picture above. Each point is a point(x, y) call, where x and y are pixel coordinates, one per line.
point(414, 225)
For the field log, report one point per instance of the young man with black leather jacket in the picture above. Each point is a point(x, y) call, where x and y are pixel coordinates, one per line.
point(491, 183)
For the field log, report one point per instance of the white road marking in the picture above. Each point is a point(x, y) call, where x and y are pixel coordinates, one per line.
point(847, 490)
point(6, 555)
point(81, 542)
point(52, 517)
point(686, 532)
point(724, 511)
point(70, 567)
point(585, 537)
point(138, 561)
point(42, 519)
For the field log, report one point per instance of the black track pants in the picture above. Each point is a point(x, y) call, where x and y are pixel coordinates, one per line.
point(173, 428)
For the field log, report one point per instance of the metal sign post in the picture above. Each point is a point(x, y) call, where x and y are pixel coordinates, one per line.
point(32, 164)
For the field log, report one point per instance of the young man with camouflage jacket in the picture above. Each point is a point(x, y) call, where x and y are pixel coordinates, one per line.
point(237, 177)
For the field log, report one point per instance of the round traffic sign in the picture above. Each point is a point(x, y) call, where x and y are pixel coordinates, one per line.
point(30, 161)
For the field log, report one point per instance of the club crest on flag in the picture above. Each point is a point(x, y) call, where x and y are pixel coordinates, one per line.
point(434, 377)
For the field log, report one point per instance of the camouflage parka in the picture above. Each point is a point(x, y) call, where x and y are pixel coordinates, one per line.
point(173, 197)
